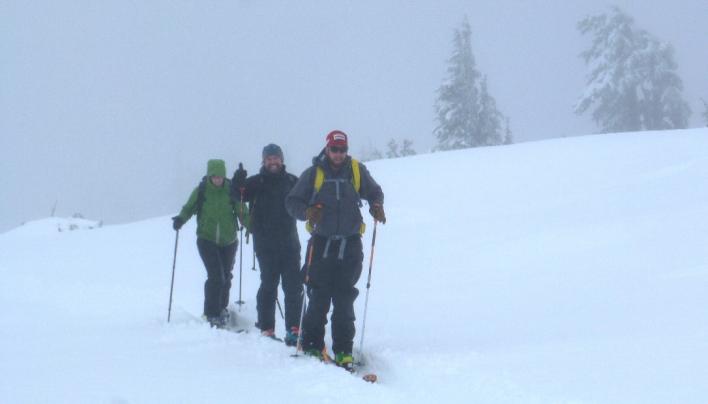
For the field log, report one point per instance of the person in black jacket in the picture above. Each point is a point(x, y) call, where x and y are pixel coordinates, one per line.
point(332, 208)
point(276, 241)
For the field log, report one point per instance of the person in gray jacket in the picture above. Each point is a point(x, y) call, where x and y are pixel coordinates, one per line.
point(328, 196)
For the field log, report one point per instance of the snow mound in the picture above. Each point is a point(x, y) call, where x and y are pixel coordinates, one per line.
point(52, 225)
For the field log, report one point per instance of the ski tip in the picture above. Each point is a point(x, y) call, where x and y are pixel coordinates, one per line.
point(371, 378)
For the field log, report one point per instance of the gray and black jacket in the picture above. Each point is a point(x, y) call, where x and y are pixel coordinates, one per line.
point(341, 213)
point(273, 229)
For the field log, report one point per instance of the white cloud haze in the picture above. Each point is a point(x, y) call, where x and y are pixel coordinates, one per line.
point(112, 108)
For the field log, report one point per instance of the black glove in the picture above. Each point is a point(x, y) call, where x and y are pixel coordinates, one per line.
point(377, 212)
point(239, 179)
point(313, 214)
point(177, 223)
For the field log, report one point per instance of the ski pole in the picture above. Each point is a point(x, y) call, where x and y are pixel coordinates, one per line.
point(298, 346)
point(240, 254)
point(280, 309)
point(240, 271)
point(368, 286)
point(172, 284)
point(253, 268)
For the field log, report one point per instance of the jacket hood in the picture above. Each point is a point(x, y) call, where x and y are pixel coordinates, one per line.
point(216, 167)
point(320, 158)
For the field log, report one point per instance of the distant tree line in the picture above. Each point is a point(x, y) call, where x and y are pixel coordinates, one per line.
point(394, 149)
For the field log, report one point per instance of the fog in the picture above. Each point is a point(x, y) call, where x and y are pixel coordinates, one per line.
point(112, 109)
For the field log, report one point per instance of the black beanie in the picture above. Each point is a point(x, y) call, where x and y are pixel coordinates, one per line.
point(273, 150)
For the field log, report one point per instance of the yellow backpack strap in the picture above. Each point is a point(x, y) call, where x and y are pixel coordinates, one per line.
point(319, 179)
point(356, 181)
point(356, 175)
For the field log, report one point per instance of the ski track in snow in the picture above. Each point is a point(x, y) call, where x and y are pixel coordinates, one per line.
point(563, 271)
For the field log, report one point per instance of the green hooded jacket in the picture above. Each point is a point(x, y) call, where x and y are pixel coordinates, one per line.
point(217, 221)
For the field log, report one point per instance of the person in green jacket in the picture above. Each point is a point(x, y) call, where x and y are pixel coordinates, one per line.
point(217, 227)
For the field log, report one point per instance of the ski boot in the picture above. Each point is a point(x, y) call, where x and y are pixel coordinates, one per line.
point(224, 317)
point(344, 360)
point(292, 336)
point(314, 352)
point(215, 321)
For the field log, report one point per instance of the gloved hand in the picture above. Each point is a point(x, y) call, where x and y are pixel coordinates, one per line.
point(377, 211)
point(239, 179)
point(313, 214)
point(177, 223)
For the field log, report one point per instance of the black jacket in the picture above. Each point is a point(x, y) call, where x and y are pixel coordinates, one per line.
point(274, 230)
point(341, 215)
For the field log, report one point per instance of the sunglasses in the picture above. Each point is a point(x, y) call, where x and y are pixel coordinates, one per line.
point(337, 149)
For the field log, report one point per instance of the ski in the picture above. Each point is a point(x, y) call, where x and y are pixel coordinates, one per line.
point(354, 370)
point(228, 327)
point(274, 338)
point(370, 377)
point(235, 330)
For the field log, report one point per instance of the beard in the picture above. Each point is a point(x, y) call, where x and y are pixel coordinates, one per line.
point(273, 168)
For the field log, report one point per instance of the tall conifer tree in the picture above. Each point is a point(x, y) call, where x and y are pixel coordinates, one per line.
point(632, 82)
point(466, 113)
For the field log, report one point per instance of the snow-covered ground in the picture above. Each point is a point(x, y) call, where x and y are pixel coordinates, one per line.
point(564, 271)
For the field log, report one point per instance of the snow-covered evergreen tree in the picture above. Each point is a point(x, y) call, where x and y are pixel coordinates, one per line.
point(705, 111)
point(632, 84)
point(508, 137)
point(392, 151)
point(407, 149)
point(490, 119)
point(466, 112)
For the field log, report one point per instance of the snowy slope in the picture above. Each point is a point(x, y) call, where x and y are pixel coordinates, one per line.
point(563, 271)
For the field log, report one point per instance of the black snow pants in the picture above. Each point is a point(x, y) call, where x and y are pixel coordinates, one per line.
point(332, 277)
point(275, 265)
point(219, 263)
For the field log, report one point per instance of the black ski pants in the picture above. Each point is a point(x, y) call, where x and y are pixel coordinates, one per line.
point(331, 281)
point(275, 265)
point(219, 264)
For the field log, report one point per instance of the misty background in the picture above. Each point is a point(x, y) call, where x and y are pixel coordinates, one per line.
point(111, 109)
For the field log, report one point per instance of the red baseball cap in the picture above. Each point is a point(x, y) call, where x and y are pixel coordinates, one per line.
point(336, 138)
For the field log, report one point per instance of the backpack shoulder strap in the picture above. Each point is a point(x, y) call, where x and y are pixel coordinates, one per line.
point(254, 197)
point(317, 184)
point(227, 184)
point(319, 178)
point(356, 175)
point(200, 196)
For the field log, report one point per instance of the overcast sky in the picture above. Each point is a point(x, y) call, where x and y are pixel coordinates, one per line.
point(112, 108)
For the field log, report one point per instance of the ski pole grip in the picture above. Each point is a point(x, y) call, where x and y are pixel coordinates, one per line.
point(241, 189)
